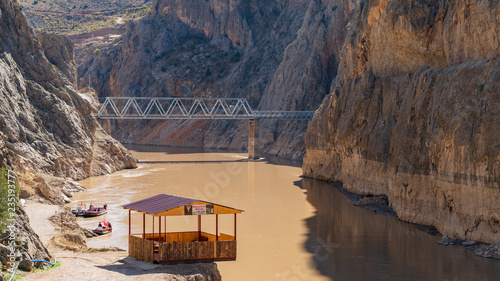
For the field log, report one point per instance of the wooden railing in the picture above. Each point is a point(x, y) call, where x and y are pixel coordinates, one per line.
point(140, 249)
point(182, 246)
point(190, 236)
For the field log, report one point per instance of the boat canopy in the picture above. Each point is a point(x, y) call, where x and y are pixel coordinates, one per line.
point(104, 223)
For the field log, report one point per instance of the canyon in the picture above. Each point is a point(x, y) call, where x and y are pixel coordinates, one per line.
point(406, 91)
point(280, 55)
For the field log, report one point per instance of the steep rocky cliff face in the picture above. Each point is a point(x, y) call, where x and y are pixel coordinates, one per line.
point(59, 51)
point(46, 127)
point(281, 55)
point(414, 113)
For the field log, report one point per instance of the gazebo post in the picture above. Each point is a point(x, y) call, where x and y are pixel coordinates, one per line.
point(235, 227)
point(216, 227)
point(199, 227)
point(159, 229)
point(143, 225)
point(129, 223)
point(153, 231)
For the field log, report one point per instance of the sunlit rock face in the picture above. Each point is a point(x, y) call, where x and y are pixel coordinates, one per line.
point(46, 125)
point(414, 114)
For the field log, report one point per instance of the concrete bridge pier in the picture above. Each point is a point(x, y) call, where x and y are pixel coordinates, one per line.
point(253, 138)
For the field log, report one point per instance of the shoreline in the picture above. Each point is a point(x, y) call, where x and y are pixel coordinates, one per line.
point(97, 262)
point(380, 205)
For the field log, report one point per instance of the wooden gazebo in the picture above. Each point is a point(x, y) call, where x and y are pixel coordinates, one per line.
point(179, 246)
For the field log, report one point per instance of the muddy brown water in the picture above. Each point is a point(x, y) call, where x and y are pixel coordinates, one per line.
point(292, 228)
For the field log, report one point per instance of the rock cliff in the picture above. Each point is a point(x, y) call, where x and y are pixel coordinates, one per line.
point(414, 114)
point(59, 50)
point(281, 55)
point(47, 130)
point(48, 125)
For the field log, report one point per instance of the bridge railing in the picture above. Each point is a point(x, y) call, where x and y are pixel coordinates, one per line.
point(189, 108)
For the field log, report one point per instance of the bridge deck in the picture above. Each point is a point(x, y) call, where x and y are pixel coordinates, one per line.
point(190, 108)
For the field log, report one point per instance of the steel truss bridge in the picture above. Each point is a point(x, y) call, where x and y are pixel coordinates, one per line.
point(190, 108)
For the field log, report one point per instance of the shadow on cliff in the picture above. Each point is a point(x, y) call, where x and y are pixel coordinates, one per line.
point(193, 162)
point(175, 149)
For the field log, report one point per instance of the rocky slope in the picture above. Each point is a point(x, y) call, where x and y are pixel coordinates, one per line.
point(414, 114)
point(281, 55)
point(48, 135)
point(48, 125)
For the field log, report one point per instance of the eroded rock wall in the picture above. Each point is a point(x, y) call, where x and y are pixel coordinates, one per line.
point(280, 55)
point(48, 126)
point(415, 114)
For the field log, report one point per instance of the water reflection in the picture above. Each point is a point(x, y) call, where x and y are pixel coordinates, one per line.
point(352, 243)
point(281, 235)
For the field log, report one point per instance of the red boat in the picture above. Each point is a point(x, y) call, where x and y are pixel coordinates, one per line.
point(104, 227)
point(95, 211)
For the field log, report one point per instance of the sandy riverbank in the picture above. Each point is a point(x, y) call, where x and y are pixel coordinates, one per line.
point(112, 265)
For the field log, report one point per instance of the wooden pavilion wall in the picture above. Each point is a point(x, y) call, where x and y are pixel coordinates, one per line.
point(187, 250)
point(140, 249)
point(205, 250)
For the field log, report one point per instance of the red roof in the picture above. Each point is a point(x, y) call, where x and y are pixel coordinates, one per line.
point(159, 203)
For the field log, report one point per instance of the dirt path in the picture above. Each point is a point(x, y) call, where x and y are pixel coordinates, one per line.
point(39, 215)
point(117, 266)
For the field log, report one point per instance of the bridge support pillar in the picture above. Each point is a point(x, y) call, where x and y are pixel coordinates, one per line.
point(253, 138)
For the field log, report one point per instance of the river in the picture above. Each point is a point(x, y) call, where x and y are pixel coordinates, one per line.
point(291, 229)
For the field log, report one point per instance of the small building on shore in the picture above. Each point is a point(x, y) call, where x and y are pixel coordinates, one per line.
point(165, 246)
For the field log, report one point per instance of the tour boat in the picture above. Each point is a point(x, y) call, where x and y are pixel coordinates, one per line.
point(95, 211)
point(79, 209)
point(104, 227)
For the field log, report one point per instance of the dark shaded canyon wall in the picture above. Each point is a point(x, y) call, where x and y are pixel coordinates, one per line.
point(415, 114)
point(280, 55)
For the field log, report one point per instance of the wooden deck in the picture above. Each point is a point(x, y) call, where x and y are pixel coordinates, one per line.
point(182, 246)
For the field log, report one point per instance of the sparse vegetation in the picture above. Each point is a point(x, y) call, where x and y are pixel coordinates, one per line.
point(73, 19)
